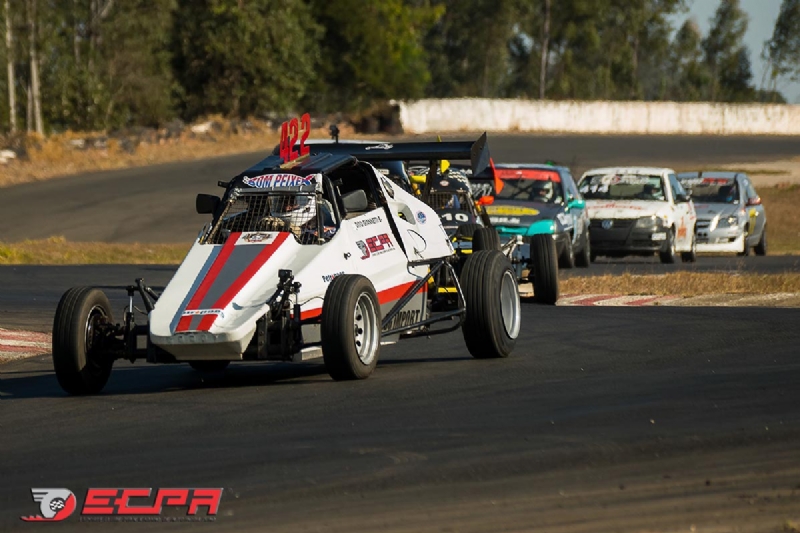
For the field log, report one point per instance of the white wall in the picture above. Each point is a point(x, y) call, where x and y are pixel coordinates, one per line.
point(479, 114)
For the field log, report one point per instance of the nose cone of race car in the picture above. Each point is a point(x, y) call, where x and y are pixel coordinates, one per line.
point(218, 289)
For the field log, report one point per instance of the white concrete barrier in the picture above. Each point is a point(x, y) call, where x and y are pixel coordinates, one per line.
point(479, 114)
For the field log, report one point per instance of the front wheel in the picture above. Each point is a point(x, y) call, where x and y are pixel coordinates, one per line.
point(79, 330)
point(668, 253)
point(544, 269)
point(351, 328)
point(691, 255)
point(567, 258)
point(493, 318)
point(761, 247)
point(584, 258)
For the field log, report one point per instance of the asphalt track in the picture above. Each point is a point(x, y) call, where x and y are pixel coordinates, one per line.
point(156, 204)
point(613, 419)
point(30, 294)
point(646, 419)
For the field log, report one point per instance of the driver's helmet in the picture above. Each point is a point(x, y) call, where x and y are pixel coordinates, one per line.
point(543, 190)
point(726, 193)
point(294, 209)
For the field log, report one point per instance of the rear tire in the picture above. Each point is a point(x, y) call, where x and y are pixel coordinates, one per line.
point(80, 364)
point(584, 258)
point(467, 230)
point(691, 255)
point(761, 247)
point(544, 269)
point(351, 328)
point(209, 367)
point(492, 323)
point(667, 255)
point(485, 239)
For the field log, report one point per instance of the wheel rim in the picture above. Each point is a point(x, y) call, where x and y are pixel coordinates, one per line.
point(96, 317)
point(672, 246)
point(510, 305)
point(365, 329)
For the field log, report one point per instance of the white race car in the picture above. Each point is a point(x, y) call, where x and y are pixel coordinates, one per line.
point(315, 256)
point(639, 211)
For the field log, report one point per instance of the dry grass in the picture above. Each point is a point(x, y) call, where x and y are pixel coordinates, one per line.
point(54, 157)
point(57, 251)
point(782, 205)
point(684, 284)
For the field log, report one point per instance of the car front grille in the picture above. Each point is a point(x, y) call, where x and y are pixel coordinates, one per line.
point(618, 223)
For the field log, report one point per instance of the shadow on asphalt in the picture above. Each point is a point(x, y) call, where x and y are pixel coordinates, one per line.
point(145, 378)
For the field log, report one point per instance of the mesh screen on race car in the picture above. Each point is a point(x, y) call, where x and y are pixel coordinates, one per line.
point(290, 212)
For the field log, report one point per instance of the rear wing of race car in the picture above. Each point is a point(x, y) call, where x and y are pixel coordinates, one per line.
point(476, 152)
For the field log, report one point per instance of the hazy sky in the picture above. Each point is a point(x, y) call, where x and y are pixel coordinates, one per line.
point(762, 21)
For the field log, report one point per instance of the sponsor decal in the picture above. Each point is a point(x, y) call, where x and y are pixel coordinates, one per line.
point(505, 220)
point(607, 224)
point(509, 210)
point(527, 174)
point(692, 182)
point(627, 179)
point(363, 223)
point(403, 319)
point(377, 245)
point(421, 217)
point(127, 504)
point(618, 206)
point(387, 184)
point(383, 146)
point(682, 232)
point(330, 277)
point(55, 505)
point(277, 181)
point(444, 183)
point(256, 238)
point(203, 312)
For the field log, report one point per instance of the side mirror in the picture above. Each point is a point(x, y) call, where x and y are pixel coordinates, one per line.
point(754, 201)
point(485, 200)
point(575, 203)
point(355, 201)
point(206, 204)
point(682, 198)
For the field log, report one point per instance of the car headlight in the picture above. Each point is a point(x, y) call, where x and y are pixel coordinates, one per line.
point(727, 222)
point(648, 222)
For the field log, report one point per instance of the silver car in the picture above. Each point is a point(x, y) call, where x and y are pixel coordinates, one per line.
point(730, 217)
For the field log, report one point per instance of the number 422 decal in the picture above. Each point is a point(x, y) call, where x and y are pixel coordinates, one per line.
point(290, 132)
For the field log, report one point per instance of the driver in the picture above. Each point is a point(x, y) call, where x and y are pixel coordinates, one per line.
point(299, 213)
point(651, 192)
point(727, 194)
point(543, 191)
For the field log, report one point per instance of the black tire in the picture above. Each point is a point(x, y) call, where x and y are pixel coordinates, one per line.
point(691, 255)
point(761, 247)
point(667, 254)
point(349, 301)
point(745, 248)
point(209, 366)
point(544, 269)
point(585, 257)
point(492, 323)
point(80, 364)
point(567, 258)
point(467, 230)
point(485, 239)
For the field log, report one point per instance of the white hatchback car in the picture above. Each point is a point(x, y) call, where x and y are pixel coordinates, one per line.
point(639, 211)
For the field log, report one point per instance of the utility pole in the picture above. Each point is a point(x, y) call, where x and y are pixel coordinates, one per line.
point(545, 50)
point(12, 96)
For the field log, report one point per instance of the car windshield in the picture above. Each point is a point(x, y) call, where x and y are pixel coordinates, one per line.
point(261, 212)
point(712, 190)
point(530, 185)
point(622, 187)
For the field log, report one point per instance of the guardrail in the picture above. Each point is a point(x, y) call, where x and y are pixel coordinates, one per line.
point(512, 115)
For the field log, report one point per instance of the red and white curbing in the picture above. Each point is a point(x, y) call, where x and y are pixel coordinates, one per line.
point(17, 344)
point(613, 300)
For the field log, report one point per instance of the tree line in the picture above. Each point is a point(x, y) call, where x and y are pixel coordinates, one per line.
point(110, 64)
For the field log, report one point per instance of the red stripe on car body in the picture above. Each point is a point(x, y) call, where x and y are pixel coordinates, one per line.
point(247, 274)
